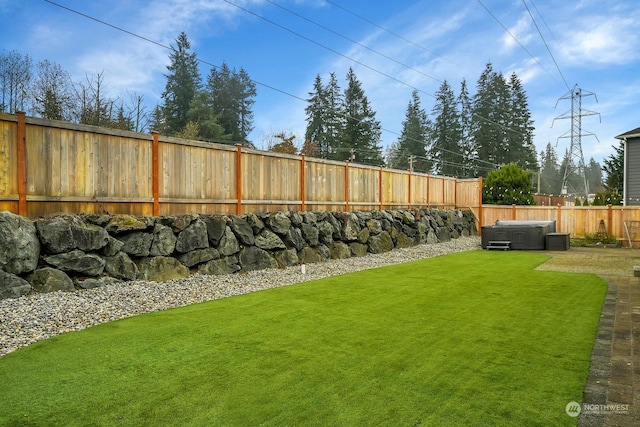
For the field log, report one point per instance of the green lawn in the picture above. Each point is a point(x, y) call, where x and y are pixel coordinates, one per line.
point(474, 338)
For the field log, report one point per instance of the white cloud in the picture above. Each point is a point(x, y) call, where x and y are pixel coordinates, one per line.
point(521, 31)
point(611, 40)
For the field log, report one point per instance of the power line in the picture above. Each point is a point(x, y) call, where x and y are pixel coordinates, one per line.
point(390, 32)
point(353, 41)
point(327, 48)
point(545, 44)
point(516, 40)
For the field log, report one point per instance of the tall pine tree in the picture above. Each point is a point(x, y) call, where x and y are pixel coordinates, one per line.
point(183, 83)
point(519, 134)
point(471, 164)
point(361, 133)
point(413, 139)
point(447, 133)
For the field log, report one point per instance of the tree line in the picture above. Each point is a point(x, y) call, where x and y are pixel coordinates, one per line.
point(463, 135)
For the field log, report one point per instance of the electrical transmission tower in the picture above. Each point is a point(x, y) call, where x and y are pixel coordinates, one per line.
point(575, 161)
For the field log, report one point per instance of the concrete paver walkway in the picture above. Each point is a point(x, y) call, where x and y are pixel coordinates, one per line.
point(612, 393)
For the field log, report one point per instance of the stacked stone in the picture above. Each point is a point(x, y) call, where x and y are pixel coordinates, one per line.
point(66, 252)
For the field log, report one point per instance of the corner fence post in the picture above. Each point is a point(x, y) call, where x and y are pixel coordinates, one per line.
point(155, 174)
point(610, 219)
point(380, 187)
point(302, 183)
point(21, 136)
point(480, 212)
point(239, 179)
point(346, 186)
point(409, 191)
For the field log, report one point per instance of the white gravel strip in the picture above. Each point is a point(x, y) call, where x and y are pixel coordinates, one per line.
point(35, 317)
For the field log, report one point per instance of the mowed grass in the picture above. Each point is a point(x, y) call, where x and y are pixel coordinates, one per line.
point(475, 338)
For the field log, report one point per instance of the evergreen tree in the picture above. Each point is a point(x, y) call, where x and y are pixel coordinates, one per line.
point(470, 160)
point(361, 133)
point(613, 166)
point(183, 83)
point(519, 132)
point(232, 96)
point(334, 117)
point(488, 116)
point(509, 185)
point(593, 170)
point(325, 118)
point(316, 118)
point(447, 133)
point(550, 176)
point(413, 139)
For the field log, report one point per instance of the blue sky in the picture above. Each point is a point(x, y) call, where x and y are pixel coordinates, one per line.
point(399, 45)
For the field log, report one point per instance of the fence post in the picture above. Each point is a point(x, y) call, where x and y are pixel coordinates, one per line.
point(409, 192)
point(155, 174)
point(428, 180)
point(480, 213)
point(302, 179)
point(455, 193)
point(513, 212)
point(239, 179)
point(444, 193)
point(380, 186)
point(609, 219)
point(558, 219)
point(21, 136)
point(346, 186)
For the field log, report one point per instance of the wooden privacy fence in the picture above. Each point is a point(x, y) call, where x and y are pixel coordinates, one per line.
point(620, 221)
point(50, 167)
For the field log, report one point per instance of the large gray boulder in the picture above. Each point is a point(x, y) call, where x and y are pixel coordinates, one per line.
point(121, 266)
point(66, 232)
point(350, 226)
point(309, 255)
point(279, 223)
point(294, 239)
point(380, 243)
point(164, 241)
point(19, 244)
point(77, 262)
point(194, 236)
point(325, 232)
point(229, 243)
point(198, 256)
point(340, 250)
point(12, 286)
point(254, 258)
point(310, 234)
point(286, 258)
point(49, 279)
point(215, 228)
point(161, 269)
point(243, 231)
point(226, 265)
point(268, 240)
point(125, 223)
point(136, 243)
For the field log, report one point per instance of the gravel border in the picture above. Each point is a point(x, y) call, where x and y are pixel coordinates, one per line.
point(37, 316)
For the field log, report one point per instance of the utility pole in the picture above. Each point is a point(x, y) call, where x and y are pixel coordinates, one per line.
point(575, 160)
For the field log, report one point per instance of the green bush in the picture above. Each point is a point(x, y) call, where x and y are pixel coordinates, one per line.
point(509, 185)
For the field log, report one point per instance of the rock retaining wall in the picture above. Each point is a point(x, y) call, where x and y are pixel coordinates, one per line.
point(85, 251)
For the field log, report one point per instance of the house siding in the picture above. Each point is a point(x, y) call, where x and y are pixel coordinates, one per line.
point(632, 178)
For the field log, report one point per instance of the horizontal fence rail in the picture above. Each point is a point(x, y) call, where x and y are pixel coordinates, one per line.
point(50, 167)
